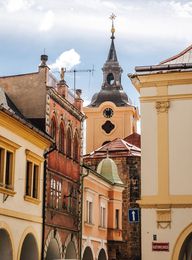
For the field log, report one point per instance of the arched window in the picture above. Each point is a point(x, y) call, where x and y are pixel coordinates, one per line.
point(61, 138)
point(53, 128)
point(76, 148)
point(68, 142)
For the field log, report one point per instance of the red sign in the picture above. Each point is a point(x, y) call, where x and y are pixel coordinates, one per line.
point(160, 246)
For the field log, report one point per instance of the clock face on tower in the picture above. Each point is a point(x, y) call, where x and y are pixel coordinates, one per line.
point(108, 112)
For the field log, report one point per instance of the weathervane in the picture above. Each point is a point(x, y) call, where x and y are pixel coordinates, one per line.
point(112, 17)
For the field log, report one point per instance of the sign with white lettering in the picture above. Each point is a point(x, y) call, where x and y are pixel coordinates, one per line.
point(156, 246)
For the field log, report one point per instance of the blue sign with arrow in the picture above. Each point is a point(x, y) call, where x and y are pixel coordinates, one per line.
point(133, 215)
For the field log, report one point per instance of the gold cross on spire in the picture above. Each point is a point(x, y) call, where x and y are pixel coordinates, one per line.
point(112, 17)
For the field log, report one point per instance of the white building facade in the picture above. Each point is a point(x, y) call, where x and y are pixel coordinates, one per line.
point(166, 165)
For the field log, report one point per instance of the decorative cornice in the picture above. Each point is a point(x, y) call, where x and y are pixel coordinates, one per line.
point(66, 104)
point(163, 218)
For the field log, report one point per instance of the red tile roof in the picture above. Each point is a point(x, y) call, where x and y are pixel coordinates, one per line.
point(116, 148)
point(134, 139)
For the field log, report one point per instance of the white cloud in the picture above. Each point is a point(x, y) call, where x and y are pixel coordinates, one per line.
point(17, 5)
point(67, 60)
point(47, 21)
point(182, 9)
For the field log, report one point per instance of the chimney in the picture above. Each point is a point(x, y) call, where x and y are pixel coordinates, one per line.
point(44, 59)
point(78, 100)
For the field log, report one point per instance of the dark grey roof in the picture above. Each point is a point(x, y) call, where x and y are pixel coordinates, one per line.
point(112, 56)
point(7, 103)
point(117, 96)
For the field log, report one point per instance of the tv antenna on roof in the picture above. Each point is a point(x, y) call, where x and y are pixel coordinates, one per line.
point(74, 71)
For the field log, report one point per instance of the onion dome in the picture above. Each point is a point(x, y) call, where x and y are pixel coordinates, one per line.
point(108, 169)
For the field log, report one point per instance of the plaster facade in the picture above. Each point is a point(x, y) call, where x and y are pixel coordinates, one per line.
point(20, 213)
point(122, 119)
point(102, 200)
point(166, 102)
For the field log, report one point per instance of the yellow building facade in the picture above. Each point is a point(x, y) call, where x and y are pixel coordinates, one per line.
point(166, 194)
point(22, 149)
point(110, 114)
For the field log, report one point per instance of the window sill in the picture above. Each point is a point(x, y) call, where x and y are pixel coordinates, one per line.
point(88, 224)
point(32, 200)
point(102, 228)
point(8, 192)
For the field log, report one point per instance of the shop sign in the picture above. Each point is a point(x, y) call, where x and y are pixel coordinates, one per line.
point(156, 246)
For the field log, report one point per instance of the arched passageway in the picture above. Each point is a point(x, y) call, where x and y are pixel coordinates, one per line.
point(186, 249)
point(29, 248)
point(53, 250)
point(6, 251)
point(70, 251)
point(87, 255)
point(102, 255)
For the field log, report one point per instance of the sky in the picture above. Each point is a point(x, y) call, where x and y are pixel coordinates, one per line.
point(75, 34)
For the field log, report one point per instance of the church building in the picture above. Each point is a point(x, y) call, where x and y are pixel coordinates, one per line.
point(110, 113)
point(111, 128)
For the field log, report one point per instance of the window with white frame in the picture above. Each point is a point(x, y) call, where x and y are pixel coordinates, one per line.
point(55, 194)
point(89, 211)
point(52, 193)
point(102, 216)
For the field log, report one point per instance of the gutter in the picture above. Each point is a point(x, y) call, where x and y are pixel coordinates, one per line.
point(163, 67)
point(53, 148)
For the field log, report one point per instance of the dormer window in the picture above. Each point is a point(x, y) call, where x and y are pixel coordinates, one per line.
point(110, 79)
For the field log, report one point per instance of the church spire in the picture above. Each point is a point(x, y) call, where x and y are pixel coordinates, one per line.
point(112, 56)
point(111, 88)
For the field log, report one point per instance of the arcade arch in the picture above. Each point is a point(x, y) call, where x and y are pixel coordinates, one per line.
point(87, 255)
point(6, 249)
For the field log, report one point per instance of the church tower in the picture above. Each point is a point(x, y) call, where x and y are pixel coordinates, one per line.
point(110, 113)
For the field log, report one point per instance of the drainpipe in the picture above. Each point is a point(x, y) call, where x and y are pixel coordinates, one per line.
point(53, 148)
point(81, 218)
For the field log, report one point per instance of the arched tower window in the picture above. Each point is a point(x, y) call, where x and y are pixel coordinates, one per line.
point(53, 128)
point(68, 142)
point(76, 148)
point(61, 138)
